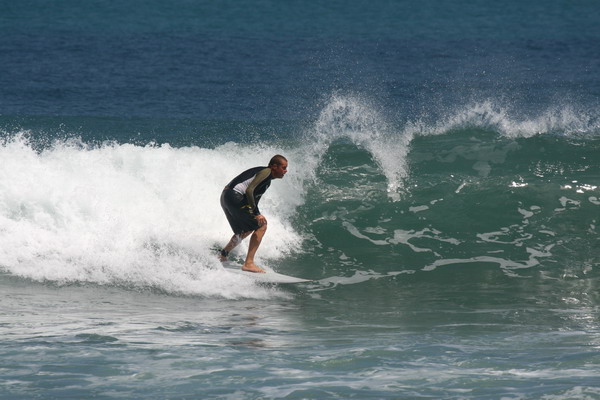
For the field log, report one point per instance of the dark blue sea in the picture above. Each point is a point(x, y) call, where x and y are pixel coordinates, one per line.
point(443, 196)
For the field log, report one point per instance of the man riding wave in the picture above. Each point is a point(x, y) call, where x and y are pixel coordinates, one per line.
point(239, 201)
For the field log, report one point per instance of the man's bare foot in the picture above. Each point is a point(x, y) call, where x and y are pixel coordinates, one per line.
point(253, 268)
point(223, 259)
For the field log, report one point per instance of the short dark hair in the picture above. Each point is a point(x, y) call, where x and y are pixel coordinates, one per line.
point(277, 160)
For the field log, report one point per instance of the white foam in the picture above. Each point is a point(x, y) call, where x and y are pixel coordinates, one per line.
point(131, 215)
point(507, 266)
point(417, 209)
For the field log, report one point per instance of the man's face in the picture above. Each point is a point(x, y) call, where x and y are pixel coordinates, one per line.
point(279, 170)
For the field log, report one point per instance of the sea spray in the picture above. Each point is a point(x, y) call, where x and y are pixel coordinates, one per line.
point(360, 121)
point(491, 115)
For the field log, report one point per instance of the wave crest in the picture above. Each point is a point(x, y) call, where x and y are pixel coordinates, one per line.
point(560, 120)
point(360, 121)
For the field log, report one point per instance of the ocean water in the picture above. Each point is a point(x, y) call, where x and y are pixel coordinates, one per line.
point(443, 195)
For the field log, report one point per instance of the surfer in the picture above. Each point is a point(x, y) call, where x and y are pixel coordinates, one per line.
point(239, 201)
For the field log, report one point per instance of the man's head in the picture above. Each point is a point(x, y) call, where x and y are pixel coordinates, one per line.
point(278, 165)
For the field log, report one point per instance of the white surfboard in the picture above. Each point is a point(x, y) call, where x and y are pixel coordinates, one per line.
point(268, 277)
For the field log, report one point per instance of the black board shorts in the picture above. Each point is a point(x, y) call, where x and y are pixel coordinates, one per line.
point(239, 219)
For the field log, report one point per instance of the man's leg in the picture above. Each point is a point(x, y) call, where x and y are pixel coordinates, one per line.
point(235, 240)
point(254, 244)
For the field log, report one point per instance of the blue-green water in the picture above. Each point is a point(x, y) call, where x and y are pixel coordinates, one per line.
point(443, 195)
